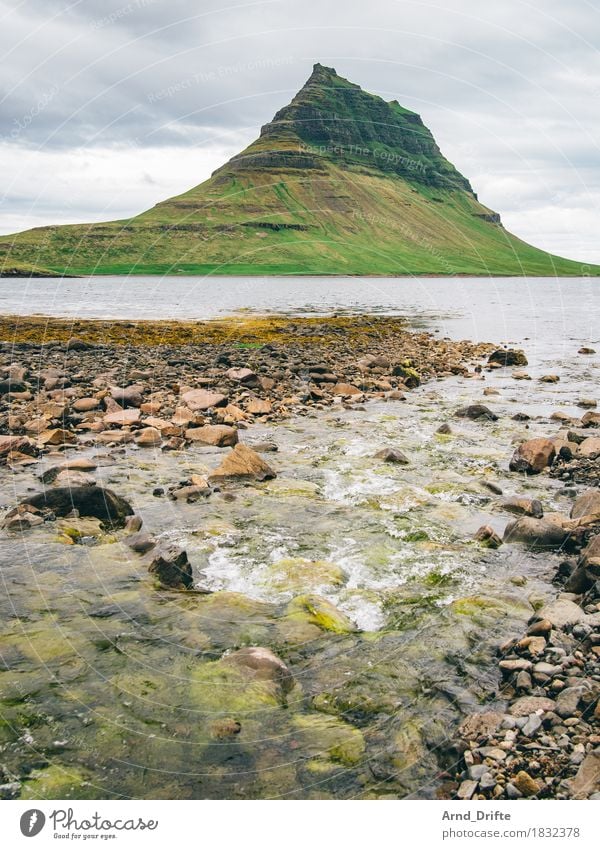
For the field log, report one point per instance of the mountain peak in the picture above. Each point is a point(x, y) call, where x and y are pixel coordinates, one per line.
point(331, 119)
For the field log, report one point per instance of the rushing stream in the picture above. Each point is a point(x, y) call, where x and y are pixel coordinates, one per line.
point(110, 688)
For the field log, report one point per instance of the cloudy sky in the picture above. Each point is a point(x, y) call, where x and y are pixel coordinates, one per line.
point(108, 106)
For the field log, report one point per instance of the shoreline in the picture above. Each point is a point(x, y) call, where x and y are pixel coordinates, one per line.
point(170, 386)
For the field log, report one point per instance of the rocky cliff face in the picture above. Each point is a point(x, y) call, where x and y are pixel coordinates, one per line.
point(333, 119)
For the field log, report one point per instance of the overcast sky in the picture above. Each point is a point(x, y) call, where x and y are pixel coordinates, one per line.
point(108, 106)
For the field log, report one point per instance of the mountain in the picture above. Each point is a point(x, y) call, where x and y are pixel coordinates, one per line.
point(339, 182)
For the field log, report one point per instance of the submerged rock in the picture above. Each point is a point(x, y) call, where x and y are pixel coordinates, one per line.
point(96, 501)
point(536, 533)
point(320, 612)
point(264, 665)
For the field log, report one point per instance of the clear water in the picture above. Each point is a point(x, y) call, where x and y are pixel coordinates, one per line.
point(110, 688)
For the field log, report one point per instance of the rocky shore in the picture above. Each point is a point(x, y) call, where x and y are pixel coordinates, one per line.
point(542, 739)
point(77, 398)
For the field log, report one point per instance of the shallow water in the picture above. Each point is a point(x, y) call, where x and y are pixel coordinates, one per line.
point(112, 688)
point(545, 311)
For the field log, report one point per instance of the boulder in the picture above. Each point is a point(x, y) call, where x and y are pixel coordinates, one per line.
point(219, 435)
point(476, 412)
point(77, 464)
point(590, 419)
point(508, 357)
point(202, 399)
point(140, 542)
point(74, 477)
point(592, 551)
point(587, 780)
point(590, 447)
point(258, 407)
point(128, 396)
point(561, 612)
point(171, 567)
point(523, 507)
point(586, 504)
point(243, 462)
point(537, 534)
point(11, 386)
point(148, 437)
point(345, 389)
point(11, 444)
point(242, 375)
point(392, 455)
point(56, 436)
point(84, 405)
point(316, 610)
point(122, 418)
point(527, 705)
point(481, 725)
point(533, 456)
point(96, 501)
point(264, 665)
point(488, 537)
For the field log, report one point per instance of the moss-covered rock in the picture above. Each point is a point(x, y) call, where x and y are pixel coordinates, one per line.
point(316, 610)
point(328, 741)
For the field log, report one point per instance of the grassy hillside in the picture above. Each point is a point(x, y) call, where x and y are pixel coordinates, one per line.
point(340, 182)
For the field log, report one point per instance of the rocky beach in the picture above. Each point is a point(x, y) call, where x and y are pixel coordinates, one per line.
point(295, 557)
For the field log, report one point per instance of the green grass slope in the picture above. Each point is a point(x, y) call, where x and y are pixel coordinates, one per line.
point(339, 183)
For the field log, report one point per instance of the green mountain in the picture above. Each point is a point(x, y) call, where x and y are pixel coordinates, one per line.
point(339, 182)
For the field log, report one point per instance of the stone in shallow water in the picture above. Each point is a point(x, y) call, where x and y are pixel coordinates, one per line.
point(96, 501)
point(476, 412)
point(172, 568)
point(392, 455)
point(318, 611)
point(264, 664)
point(243, 462)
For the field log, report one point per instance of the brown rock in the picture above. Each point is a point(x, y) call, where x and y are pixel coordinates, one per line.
point(201, 399)
point(525, 784)
point(148, 437)
point(264, 665)
point(172, 568)
point(122, 418)
point(243, 462)
point(586, 504)
point(257, 407)
point(56, 436)
point(84, 405)
point(533, 456)
point(523, 507)
point(537, 534)
point(345, 389)
point(488, 537)
point(527, 705)
point(219, 435)
point(590, 447)
point(481, 725)
point(242, 375)
point(587, 780)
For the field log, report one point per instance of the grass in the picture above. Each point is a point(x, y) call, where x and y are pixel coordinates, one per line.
point(337, 213)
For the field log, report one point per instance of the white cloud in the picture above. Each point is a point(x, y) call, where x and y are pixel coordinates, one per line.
point(510, 91)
